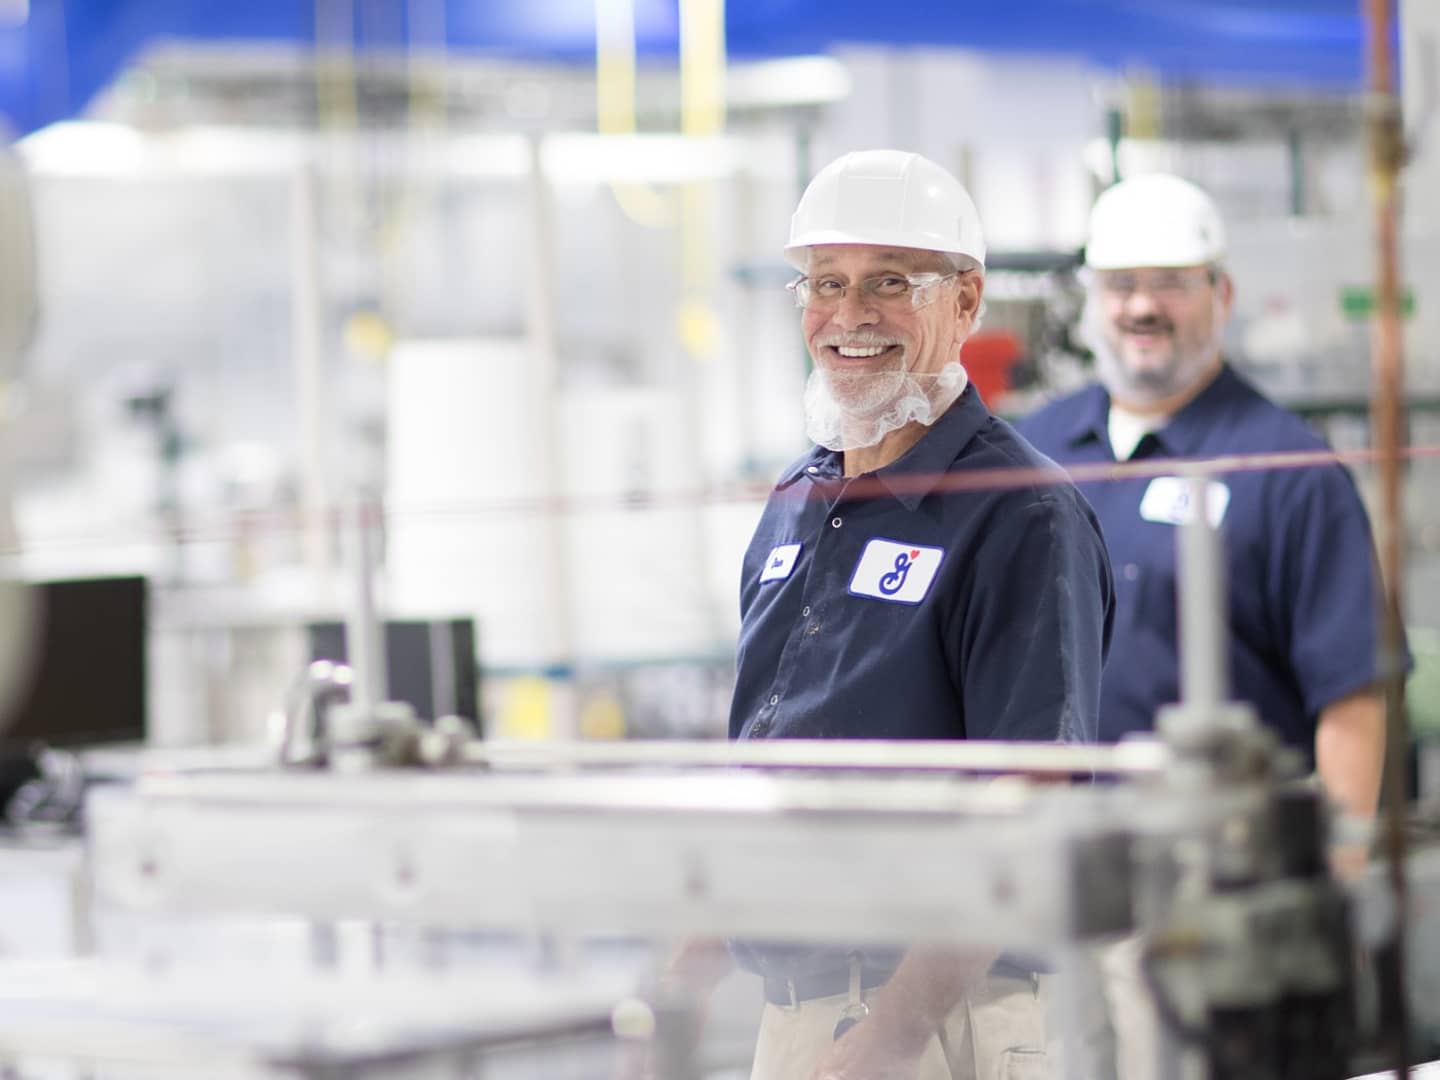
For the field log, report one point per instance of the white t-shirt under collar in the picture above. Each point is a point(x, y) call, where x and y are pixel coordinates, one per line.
point(1126, 429)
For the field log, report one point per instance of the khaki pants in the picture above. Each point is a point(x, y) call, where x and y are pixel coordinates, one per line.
point(1132, 1012)
point(996, 1033)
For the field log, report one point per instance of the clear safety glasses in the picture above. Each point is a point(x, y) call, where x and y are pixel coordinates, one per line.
point(1163, 284)
point(883, 290)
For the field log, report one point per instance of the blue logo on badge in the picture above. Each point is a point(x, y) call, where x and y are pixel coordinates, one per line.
point(894, 581)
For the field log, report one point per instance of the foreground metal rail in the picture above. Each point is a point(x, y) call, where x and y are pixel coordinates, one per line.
point(747, 852)
point(1133, 758)
point(1140, 757)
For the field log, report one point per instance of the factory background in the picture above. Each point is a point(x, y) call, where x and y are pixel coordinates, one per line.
point(470, 315)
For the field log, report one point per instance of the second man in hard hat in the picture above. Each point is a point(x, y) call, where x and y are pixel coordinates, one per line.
point(1303, 596)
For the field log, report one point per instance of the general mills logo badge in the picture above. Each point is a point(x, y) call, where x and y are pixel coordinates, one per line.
point(895, 571)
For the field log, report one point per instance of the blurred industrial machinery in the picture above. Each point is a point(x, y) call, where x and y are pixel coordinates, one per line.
point(1204, 847)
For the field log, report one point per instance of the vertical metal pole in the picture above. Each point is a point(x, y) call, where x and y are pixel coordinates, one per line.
point(804, 173)
point(702, 116)
point(305, 337)
point(1114, 132)
point(1296, 156)
point(545, 386)
point(1204, 671)
point(364, 632)
point(1386, 143)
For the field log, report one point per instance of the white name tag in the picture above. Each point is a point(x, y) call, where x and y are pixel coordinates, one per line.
point(1168, 501)
point(780, 562)
point(890, 570)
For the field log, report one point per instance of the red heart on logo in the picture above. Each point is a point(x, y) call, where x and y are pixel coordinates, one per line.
point(915, 554)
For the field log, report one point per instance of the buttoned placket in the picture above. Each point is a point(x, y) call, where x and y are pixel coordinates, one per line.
point(828, 527)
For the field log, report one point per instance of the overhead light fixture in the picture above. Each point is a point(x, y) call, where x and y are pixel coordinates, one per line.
point(793, 81)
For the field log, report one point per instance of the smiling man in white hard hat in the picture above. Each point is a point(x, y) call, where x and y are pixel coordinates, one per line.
point(1303, 597)
point(892, 260)
point(877, 603)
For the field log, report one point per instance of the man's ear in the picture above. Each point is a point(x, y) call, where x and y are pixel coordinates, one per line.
point(1226, 290)
point(968, 293)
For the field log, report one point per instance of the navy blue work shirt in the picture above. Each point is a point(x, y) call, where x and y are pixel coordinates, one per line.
point(1303, 591)
point(905, 612)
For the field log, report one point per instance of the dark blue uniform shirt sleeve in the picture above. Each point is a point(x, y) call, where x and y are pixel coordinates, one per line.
point(1326, 589)
point(1032, 639)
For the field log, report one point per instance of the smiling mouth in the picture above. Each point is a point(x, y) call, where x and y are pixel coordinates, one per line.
point(853, 353)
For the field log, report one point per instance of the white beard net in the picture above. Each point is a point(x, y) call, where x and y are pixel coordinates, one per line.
point(852, 410)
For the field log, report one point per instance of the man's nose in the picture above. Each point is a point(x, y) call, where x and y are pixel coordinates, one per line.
point(856, 309)
point(1141, 303)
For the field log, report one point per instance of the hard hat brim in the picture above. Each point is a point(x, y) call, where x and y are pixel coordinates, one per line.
point(795, 251)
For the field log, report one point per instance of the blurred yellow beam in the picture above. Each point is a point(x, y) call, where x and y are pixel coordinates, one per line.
point(615, 105)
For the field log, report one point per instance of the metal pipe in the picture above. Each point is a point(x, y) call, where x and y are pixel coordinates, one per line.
point(306, 330)
point(544, 388)
point(1387, 152)
point(364, 631)
point(1204, 669)
point(1134, 758)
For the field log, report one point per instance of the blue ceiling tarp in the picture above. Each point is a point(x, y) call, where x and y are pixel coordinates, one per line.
point(64, 51)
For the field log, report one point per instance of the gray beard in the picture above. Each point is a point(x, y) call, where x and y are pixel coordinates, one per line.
point(1149, 387)
point(899, 398)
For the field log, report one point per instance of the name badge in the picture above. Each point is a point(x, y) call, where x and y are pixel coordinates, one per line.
point(895, 571)
point(1168, 501)
point(780, 562)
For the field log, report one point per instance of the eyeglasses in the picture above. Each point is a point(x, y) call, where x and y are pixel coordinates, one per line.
point(1161, 284)
point(887, 290)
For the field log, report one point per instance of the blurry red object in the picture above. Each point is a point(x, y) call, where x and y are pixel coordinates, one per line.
point(988, 357)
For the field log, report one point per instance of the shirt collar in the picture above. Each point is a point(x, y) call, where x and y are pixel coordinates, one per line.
point(1183, 434)
point(918, 470)
point(1186, 433)
point(819, 464)
point(1088, 422)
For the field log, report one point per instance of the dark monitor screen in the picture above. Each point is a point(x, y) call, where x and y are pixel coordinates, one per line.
point(87, 680)
point(432, 665)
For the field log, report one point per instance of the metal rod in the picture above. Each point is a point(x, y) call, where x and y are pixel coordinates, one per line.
point(1386, 143)
point(307, 319)
point(544, 388)
point(1137, 758)
point(1204, 673)
point(364, 631)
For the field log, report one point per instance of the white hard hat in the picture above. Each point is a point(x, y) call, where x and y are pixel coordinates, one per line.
point(886, 197)
point(1154, 220)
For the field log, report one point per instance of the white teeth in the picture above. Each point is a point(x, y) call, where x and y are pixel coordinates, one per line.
point(845, 350)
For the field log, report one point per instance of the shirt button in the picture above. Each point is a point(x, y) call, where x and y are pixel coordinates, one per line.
point(813, 469)
point(774, 699)
point(1131, 571)
point(835, 523)
point(805, 610)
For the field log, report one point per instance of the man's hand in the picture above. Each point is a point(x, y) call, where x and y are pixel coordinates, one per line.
point(869, 1052)
point(906, 1014)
